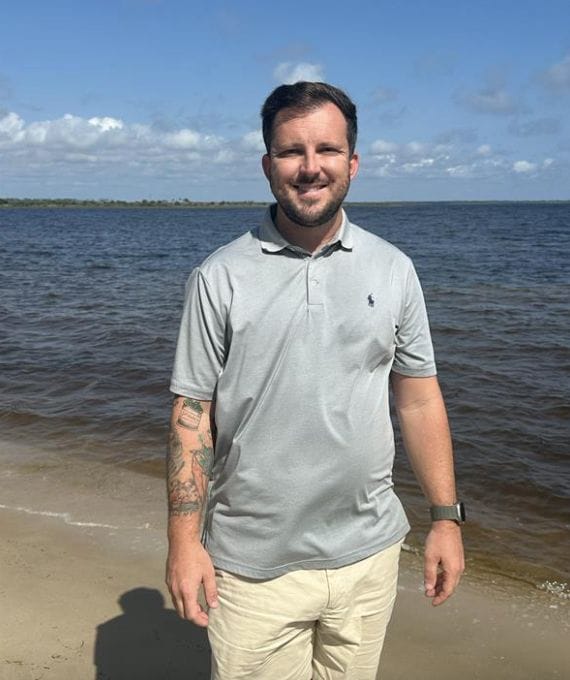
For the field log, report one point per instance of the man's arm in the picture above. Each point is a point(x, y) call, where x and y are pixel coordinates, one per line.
point(190, 459)
point(425, 431)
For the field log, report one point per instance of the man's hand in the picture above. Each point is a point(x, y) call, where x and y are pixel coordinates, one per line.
point(188, 567)
point(443, 561)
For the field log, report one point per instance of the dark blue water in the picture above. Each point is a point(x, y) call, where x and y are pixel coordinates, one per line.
point(89, 313)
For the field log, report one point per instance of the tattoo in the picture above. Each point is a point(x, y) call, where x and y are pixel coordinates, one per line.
point(188, 472)
point(175, 457)
point(191, 414)
point(204, 457)
point(184, 498)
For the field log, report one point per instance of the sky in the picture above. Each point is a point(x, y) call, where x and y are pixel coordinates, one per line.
point(160, 99)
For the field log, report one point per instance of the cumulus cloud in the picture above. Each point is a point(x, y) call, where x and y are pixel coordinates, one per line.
point(99, 134)
point(289, 72)
point(557, 77)
point(381, 146)
point(440, 160)
point(253, 141)
point(523, 167)
point(397, 159)
point(103, 146)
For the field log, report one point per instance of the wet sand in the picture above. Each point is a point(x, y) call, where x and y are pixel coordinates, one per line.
point(82, 594)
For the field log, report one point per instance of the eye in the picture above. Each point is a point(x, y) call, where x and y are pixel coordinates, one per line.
point(287, 153)
point(329, 150)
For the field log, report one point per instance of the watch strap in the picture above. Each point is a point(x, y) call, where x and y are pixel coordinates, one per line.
point(454, 512)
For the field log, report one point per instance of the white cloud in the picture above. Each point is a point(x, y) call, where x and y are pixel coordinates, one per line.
point(93, 150)
point(435, 160)
point(98, 135)
point(253, 141)
point(106, 123)
point(381, 146)
point(522, 167)
point(290, 72)
point(557, 77)
point(11, 126)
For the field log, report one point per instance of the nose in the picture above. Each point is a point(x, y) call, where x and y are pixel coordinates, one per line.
point(310, 164)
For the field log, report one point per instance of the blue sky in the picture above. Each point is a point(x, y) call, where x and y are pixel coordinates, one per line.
point(160, 98)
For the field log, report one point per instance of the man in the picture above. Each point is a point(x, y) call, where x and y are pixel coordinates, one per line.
point(289, 338)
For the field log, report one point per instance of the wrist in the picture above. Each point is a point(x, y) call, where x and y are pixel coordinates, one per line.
point(448, 513)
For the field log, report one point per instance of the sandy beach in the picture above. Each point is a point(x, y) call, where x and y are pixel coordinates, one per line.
point(82, 593)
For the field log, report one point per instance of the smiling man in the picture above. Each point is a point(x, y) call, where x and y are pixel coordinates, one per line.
point(290, 338)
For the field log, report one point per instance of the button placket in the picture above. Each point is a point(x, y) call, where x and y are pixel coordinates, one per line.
point(314, 283)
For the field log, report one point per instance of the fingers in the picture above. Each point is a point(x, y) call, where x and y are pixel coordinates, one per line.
point(443, 590)
point(185, 599)
point(440, 586)
point(430, 576)
point(210, 590)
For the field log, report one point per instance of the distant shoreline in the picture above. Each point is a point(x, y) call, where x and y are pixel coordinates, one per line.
point(196, 205)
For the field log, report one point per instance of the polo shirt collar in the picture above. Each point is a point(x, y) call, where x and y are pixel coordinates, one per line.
point(272, 241)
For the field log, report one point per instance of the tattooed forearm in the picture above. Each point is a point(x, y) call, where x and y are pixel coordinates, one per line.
point(190, 458)
point(191, 414)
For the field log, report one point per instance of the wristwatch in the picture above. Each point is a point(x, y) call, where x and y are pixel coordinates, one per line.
point(454, 512)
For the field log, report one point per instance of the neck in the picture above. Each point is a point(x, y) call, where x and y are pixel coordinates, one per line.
point(309, 238)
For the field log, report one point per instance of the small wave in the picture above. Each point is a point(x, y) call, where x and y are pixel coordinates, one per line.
point(67, 518)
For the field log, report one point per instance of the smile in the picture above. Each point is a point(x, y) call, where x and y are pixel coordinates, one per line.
point(309, 188)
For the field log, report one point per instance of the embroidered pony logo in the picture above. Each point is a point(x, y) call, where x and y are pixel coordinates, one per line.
point(370, 300)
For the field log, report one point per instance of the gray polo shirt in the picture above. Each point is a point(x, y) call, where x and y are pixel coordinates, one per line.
point(298, 349)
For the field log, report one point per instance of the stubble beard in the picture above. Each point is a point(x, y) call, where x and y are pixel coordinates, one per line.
point(303, 215)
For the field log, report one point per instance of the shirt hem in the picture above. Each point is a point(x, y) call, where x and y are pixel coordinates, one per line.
point(415, 373)
point(273, 572)
point(189, 391)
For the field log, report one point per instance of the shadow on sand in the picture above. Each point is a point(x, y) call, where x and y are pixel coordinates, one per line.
point(149, 642)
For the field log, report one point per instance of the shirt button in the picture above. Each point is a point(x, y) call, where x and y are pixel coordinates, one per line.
point(314, 282)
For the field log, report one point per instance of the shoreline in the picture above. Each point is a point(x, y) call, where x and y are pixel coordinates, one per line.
point(83, 591)
point(51, 203)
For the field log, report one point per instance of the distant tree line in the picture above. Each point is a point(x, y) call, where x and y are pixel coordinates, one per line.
point(187, 203)
point(110, 203)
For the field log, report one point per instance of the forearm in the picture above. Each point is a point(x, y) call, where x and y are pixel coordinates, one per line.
point(189, 463)
point(425, 432)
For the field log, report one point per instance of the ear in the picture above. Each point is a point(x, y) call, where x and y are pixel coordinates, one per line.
point(266, 165)
point(353, 165)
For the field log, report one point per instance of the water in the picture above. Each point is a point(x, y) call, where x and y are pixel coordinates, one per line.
point(89, 313)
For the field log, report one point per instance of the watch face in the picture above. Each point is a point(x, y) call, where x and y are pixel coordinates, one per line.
point(461, 508)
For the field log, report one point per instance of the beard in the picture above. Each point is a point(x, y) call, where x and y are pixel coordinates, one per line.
point(311, 214)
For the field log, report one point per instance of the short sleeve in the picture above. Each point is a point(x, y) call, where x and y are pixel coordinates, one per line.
point(414, 351)
point(200, 350)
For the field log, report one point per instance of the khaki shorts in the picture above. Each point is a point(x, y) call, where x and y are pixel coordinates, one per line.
point(308, 624)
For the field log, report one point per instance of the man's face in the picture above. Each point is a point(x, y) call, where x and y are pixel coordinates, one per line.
point(309, 166)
